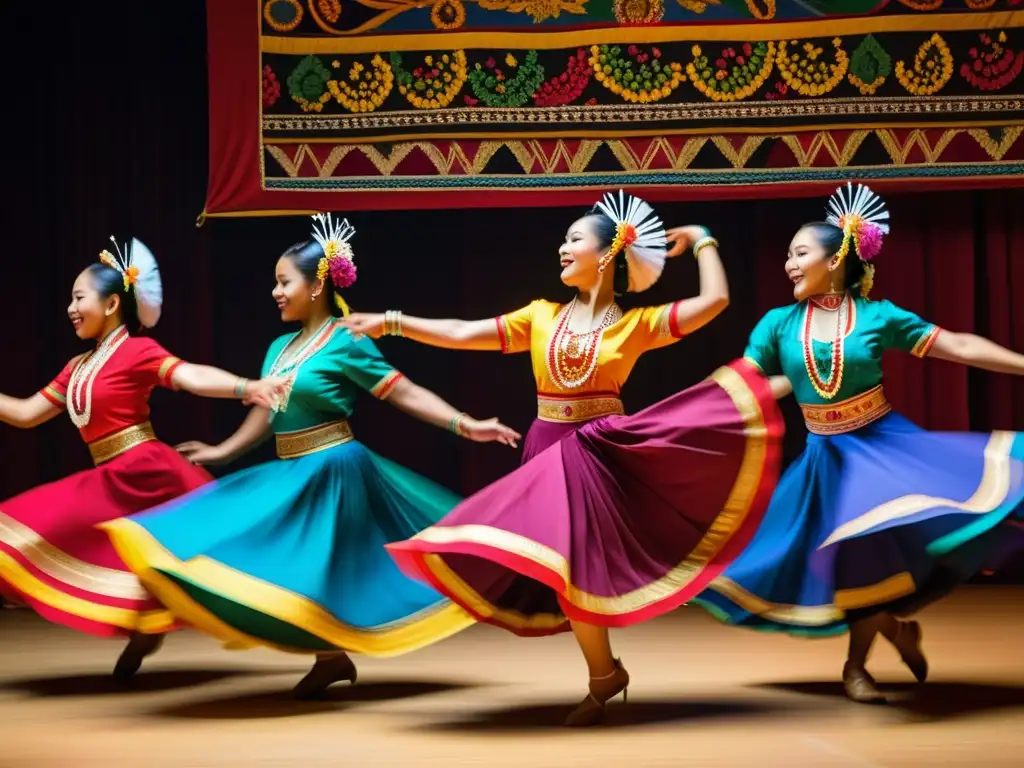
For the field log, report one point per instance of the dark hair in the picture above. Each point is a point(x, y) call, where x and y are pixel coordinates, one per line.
point(604, 230)
point(831, 238)
point(306, 258)
point(108, 281)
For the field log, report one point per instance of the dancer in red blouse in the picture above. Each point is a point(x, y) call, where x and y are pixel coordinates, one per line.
point(52, 558)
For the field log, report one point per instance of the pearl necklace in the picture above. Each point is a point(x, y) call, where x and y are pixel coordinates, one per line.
point(827, 388)
point(84, 376)
point(291, 366)
point(572, 358)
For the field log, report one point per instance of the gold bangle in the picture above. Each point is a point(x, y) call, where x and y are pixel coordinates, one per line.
point(392, 323)
point(703, 243)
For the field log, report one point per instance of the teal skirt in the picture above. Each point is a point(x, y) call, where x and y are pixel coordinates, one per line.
point(290, 554)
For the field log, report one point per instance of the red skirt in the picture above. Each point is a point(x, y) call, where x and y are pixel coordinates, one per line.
point(54, 559)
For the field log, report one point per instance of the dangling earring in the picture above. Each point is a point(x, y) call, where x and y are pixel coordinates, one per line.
point(832, 278)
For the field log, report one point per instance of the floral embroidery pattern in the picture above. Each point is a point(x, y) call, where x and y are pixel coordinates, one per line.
point(433, 84)
point(994, 67)
point(495, 87)
point(734, 74)
point(931, 70)
point(635, 74)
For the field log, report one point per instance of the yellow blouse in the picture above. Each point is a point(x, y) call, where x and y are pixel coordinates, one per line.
point(619, 346)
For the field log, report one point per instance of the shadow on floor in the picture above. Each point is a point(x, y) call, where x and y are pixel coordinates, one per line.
point(280, 703)
point(143, 682)
point(941, 700)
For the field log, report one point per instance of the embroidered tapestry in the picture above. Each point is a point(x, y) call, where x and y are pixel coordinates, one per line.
point(363, 104)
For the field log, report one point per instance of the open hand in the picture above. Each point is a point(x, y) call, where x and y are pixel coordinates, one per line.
point(682, 239)
point(367, 323)
point(201, 453)
point(268, 392)
point(489, 431)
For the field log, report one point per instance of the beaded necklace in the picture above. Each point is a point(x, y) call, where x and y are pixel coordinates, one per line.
point(572, 357)
point(84, 376)
point(289, 368)
point(827, 388)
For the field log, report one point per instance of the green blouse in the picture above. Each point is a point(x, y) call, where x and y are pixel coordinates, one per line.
point(776, 346)
point(329, 372)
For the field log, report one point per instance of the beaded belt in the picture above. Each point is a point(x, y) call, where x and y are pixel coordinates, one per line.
point(578, 409)
point(837, 418)
point(292, 445)
point(114, 445)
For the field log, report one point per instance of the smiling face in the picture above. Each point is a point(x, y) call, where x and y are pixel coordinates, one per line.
point(89, 311)
point(807, 265)
point(580, 254)
point(293, 292)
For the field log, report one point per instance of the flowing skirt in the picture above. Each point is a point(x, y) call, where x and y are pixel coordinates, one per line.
point(290, 554)
point(621, 520)
point(889, 517)
point(54, 560)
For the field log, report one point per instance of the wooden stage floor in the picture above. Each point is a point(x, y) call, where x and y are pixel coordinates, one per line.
point(702, 695)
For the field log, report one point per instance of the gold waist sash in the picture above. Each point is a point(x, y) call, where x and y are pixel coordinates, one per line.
point(848, 415)
point(112, 446)
point(577, 409)
point(292, 445)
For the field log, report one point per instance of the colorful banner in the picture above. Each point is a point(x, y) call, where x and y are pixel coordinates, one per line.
point(381, 104)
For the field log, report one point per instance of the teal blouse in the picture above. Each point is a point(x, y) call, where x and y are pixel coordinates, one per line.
point(776, 348)
point(329, 373)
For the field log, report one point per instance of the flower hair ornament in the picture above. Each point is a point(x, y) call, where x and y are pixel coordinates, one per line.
point(140, 273)
point(641, 234)
point(863, 217)
point(338, 262)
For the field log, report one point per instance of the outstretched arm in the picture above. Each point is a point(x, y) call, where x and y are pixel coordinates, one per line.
point(251, 433)
point(26, 412)
point(427, 406)
point(480, 335)
point(694, 313)
point(207, 381)
point(976, 351)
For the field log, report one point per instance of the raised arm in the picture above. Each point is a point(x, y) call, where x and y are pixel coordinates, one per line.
point(694, 313)
point(977, 352)
point(26, 412)
point(427, 406)
point(480, 335)
point(253, 431)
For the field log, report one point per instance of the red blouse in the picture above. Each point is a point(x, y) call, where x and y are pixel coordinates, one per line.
point(120, 388)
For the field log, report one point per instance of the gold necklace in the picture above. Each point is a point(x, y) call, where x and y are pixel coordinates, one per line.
point(572, 358)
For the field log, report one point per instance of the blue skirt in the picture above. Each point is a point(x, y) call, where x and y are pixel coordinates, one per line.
point(889, 517)
point(290, 554)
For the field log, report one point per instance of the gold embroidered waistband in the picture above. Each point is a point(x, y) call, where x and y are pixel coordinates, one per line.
point(837, 418)
point(580, 409)
point(292, 445)
point(114, 445)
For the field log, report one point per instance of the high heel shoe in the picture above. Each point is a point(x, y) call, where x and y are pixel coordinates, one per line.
point(591, 710)
point(860, 686)
point(908, 645)
point(327, 671)
point(139, 647)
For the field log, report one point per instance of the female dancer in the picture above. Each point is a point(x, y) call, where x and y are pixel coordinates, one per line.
point(877, 517)
point(613, 519)
point(51, 556)
point(289, 554)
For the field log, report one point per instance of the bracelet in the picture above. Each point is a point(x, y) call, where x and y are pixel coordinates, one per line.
point(240, 387)
point(703, 243)
point(393, 322)
point(455, 425)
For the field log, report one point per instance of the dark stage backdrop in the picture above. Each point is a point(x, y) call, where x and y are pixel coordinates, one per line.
point(106, 134)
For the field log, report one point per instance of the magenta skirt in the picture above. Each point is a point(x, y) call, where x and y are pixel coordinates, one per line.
point(615, 521)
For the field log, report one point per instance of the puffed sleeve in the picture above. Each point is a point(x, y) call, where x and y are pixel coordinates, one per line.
point(366, 367)
point(763, 345)
point(154, 363)
point(57, 390)
point(906, 331)
point(514, 329)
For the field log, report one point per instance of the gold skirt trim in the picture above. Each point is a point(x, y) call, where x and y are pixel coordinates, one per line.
point(114, 445)
point(577, 409)
point(150, 561)
point(848, 415)
point(292, 445)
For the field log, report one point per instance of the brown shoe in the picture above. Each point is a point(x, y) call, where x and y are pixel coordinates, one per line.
point(139, 647)
point(860, 686)
point(327, 671)
point(908, 644)
point(591, 710)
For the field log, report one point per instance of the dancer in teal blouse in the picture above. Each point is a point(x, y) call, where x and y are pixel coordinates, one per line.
point(290, 554)
point(877, 517)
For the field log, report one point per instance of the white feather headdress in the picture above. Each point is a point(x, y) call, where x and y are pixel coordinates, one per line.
point(641, 234)
point(138, 268)
point(855, 206)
